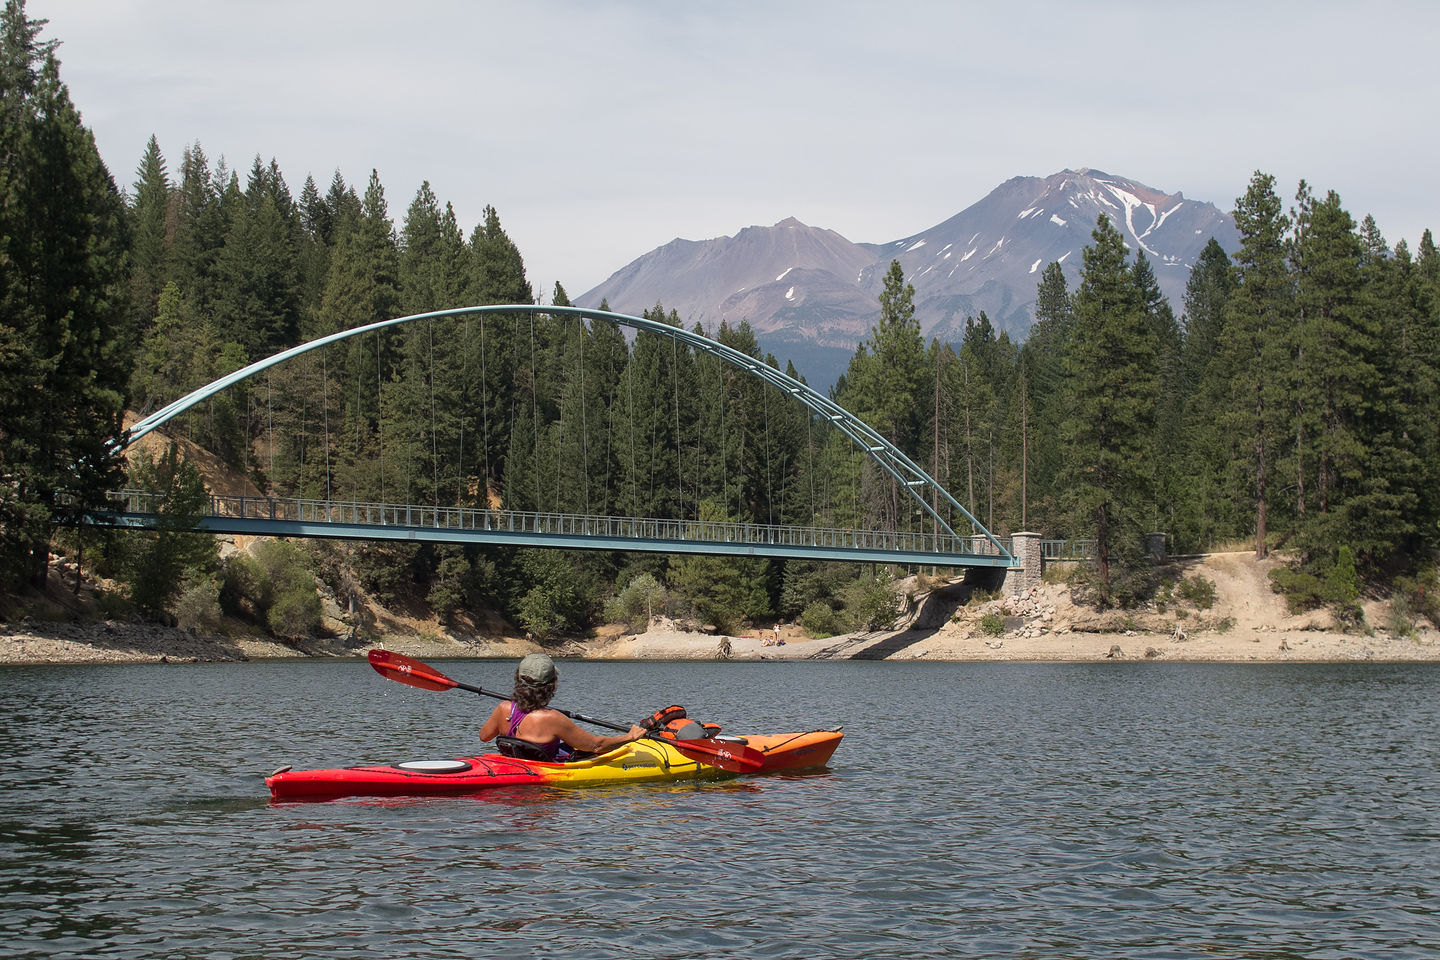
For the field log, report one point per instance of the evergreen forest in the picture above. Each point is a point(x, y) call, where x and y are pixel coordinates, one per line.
point(1289, 404)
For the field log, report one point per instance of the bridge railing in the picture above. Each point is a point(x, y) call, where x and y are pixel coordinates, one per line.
point(365, 514)
point(1067, 549)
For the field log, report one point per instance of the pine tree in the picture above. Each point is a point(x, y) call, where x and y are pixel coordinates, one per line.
point(1019, 423)
point(1211, 284)
point(158, 562)
point(499, 269)
point(1252, 352)
point(721, 591)
point(897, 347)
point(1042, 361)
point(651, 452)
point(257, 271)
point(1165, 332)
point(1402, 466)
point(940, 360)
point(1421, 303)
point(1112, 388)
point(794, 430)
point(63, 311)
point(976, 412)
point(174, 358)
point(569, 434)
point(432, 264)
point(150, 229)
point(427, 382)
point(200, 229)
point(1334, 346)
point(748, 429)
point(316, 222)
point(344, 208)
point(883, 386)
point(361, 289)
point(1205, 500)
point(497, 276)
point(713, 466)
point(606, 354)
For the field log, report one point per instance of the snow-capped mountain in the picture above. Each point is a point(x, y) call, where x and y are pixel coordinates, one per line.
point(811, 295)
point(990, 256)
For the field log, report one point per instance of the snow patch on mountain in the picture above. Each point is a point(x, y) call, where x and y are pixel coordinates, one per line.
point(818, 291)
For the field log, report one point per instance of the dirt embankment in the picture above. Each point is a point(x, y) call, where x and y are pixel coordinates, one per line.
point(1246, 622)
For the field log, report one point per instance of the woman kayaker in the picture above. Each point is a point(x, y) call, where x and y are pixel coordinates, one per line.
point(525, 716)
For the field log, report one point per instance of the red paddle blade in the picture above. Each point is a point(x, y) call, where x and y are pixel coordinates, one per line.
point(734, 757)
point(408, 670)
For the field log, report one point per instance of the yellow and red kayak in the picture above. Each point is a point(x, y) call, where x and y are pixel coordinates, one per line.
point(642, 761)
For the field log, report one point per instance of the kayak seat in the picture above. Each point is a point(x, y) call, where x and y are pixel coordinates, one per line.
point(518, 749)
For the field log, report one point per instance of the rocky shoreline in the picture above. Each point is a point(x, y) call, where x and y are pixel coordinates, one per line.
point(112, 642)
point(941, 621)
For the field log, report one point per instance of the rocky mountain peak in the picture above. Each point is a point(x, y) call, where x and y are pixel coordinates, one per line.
point(812, 295)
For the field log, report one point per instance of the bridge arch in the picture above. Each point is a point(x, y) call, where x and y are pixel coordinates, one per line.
point(914, 480)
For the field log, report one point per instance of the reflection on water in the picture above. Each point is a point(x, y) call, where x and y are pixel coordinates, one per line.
point(1019, 810)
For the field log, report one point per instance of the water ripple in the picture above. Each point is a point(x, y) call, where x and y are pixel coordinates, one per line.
point(1015, 810)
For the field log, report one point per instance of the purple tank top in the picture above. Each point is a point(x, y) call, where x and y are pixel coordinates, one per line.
point(554, 750)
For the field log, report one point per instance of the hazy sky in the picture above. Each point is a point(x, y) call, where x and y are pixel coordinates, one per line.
point(601, 130)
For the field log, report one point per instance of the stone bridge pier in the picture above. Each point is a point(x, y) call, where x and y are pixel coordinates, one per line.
point(1029, 564)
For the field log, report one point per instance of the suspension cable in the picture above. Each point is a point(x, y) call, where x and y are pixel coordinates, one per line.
point(484, 420)
point(325, 401)
point(679, 453)
point(534, 419)
point(724, 445)
point(464, 413)
point(304, 424)
point(380, 415)
point(769, 463)
point(610, 424)
point(584, 426)
point(810, 458)
point(630, 387)
point(855, 459)
point(563, 399)
point(359, 351)
point(434, 440)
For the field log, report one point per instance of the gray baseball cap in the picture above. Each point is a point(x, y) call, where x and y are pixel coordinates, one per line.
point(537, 668)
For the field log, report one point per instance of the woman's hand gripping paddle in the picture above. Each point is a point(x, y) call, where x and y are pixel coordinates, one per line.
point(734, 757)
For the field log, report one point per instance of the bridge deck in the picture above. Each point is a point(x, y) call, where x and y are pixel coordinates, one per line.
point(294, 517)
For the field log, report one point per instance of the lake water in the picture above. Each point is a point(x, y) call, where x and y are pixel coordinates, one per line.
point(973, 810)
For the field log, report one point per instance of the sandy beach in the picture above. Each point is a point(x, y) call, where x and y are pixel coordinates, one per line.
point(1247, 622)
